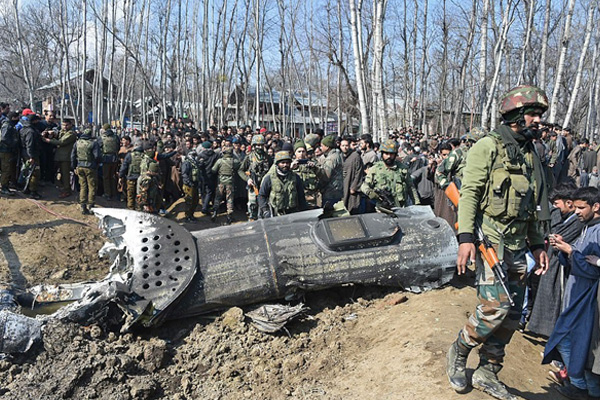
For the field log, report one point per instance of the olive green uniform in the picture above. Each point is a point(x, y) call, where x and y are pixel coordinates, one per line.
point(84, 158)
point(503, 182)
point(331, 177)
point(64, 146)
point(395, 179)
point(225, 168)
point(191, 170)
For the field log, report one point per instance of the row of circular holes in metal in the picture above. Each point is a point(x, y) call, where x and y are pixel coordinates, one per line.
point(179, 268)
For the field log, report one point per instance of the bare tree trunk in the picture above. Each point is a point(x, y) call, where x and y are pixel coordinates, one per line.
point(545, 44)
point(498, 57)
point(526, 42)
point(444, 67)
point(83, 97)
point(594, 91)
point(24, 54)
point(483, 91)
point(561, 62)
point(379, 103)
point(423, 94)
point(460, 95)
point(582, 54)
point(358, 62)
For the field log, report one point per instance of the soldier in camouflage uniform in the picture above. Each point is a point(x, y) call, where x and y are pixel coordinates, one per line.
point(191, 174)
point(450, 167)
point(148, 196)
point(389, 180)
point(307, 170)
point(225, 168)
point(130, 171)
point(253, 169)
point(504, 188)
point(330, 172)
point(281, 191)
point(84, 160)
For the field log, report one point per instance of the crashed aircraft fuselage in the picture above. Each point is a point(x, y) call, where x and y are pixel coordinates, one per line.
point(162, 271)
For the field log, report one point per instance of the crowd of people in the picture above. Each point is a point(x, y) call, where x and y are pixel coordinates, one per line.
point(528, 189)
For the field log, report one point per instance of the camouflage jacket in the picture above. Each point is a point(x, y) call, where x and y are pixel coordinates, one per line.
point(148, 191)
point(502, 192)
point(450, 168)
point(395, 179)
point(331, 175)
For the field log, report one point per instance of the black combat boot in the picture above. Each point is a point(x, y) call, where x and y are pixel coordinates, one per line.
point(213, 217)
point(228, 222)
point(456, 366)
point(84, 209)
point(485, 378)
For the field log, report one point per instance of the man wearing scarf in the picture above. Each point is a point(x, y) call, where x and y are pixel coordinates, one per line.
point(504, 191)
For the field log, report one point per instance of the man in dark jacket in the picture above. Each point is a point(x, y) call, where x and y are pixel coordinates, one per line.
point(208, 158)
point(31, 145)
point(353, 171)
point(9, 150)
point(109, 144)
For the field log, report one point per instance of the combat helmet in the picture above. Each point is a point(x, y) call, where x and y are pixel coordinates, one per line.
point(389, 146)
point(257, 140)
point(475, 134)
point(282, 156)
point(520, 100)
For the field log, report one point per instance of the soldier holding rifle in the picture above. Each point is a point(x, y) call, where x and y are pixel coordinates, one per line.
point(503, 198)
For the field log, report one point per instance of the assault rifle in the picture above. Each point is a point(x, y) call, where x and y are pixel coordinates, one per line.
point(26, 174)
point(483, 244)
point(255, 181)
point(386, 198)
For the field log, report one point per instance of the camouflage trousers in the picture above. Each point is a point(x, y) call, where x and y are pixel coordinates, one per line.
point(494, 321)
point(191, 199)
point(225, 190)
point(8, 165)
point(252, 204)
point(131, 193)
point(87, 185)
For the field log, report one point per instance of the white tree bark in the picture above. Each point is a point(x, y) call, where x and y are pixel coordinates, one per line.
point(483, 90)
point(582, 55)
point(544, 51)
point(526, 42)
point(561, 63)
point(359, 66)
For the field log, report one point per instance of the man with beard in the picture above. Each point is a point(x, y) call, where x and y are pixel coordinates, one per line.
point(388, 181)
point(353, 176)
point(281, 191)
point(504, 191)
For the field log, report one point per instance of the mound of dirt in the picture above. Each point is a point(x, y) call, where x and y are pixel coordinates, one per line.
point(354, 343)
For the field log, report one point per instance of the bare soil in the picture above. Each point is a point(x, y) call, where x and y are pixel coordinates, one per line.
point(355, 343)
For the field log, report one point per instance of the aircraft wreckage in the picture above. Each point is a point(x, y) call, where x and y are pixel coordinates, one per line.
point(162, 271)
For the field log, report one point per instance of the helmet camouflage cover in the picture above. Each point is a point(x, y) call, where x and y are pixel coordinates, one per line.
point(282, 156)
point(257, 139)
point(389, 146)
point(153, 168)
point(525, 96)
point(476, 133)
